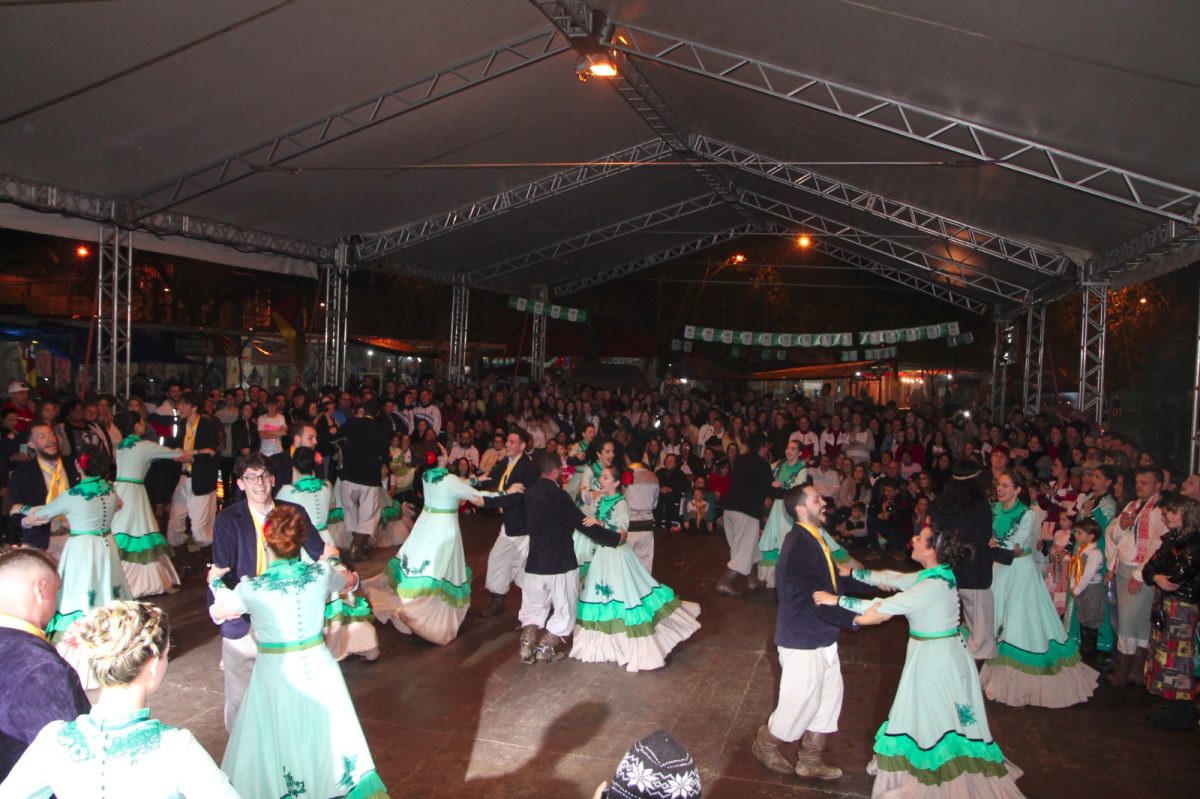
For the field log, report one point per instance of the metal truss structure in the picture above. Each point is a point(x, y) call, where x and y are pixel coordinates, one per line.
point(459, 319)
point(969, 276)
point(81, 205)
point(511, 199)
point(593, 237)
point(1093, 333)
point(1002, 358)
point(271, 154)
point(537, 366)
point(964, 138)
point(949, 230)
point(654, 259)
point(114, 311)
point(337, 317)
point(1158, 242)
point(1194, 449)
point(577, 21)
point(1035, 350)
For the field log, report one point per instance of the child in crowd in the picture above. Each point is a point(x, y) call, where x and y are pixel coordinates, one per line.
point(695, 511)
point(854, 529)
point(1058, 563)
point(1086, 584)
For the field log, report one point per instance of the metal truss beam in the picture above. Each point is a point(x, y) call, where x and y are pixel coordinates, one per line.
point(578, 21)
point(1093, 334)
point(537, 366)
point(81, 205)
point(661, 257)
point(337, 317)
point(270, 154)
point(511, 199)
point(1035, 350)
point(969, 139)
point(1194, 449)
point(594, 237)
point(114, 312)
point(1005, 334)
point(459, 323)
point(951, 231)
point(1128, 262)
point(969, 276)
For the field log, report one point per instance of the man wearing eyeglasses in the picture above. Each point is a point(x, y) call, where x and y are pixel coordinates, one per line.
point(238, 545)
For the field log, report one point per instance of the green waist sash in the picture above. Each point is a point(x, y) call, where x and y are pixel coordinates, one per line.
point(90, 532)
point(428, 509)
point(919, 636)
point(322, 528)
point(129, 480)
point(283, 647)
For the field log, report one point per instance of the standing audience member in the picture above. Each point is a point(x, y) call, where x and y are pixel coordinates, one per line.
point(364, 456)
point(749, 486)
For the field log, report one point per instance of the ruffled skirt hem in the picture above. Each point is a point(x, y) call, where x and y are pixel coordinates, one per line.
point(428, 616)
point(1071, 685)
point(150, 579)
point(903, 785)
point(641, 653)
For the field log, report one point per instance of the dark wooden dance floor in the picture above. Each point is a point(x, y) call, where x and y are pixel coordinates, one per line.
point(469, 720)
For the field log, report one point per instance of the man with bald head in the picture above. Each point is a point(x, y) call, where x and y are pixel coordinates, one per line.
point(38, 686)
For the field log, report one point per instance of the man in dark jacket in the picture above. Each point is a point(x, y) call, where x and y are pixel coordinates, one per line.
point(364, 452)
point(195, 497)
point(810, 683)
point(673, 489)
point(749, 487)
point(506, 561)
point(38, 686)
point(38, 481)
point(551, 578)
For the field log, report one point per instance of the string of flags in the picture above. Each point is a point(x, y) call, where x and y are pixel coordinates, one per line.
point(895, 336)
point(879, 354)
point(542, 308)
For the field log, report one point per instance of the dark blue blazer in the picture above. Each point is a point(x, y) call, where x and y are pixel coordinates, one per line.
point(512, 506)
point(801, 570)
point(28, 487)
point(234, 546)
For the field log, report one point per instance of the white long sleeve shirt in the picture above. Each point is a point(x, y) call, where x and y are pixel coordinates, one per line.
point(1121, 542)
point(1092, 558)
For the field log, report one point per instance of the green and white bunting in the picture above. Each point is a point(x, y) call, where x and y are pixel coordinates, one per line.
point(907, 334)
point(541, 308)
point(958, 341)
point(880, 354)
point(746, 338)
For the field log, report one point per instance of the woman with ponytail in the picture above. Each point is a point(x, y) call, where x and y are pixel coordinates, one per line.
point(117, 750)
point(935, 741)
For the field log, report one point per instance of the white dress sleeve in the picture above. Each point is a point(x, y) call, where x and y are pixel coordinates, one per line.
point(197, 775)
point(29, 777)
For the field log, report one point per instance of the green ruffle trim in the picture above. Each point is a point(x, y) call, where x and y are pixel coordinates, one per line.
point(59, 624)
point(338, 612)
point(91, 487)
point(309, 484)
point(435, 475)
point(128, 442)
point(412, 586)
point(613, 617)
point(1055, 659)
point(769, 557)
point(141, 548)
point(389, 513)
point(335, 515)
point(369, 787)
point(952, 756)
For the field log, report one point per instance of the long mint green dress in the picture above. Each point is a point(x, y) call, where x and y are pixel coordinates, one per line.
point(624, 615)
point(1036, 663)
point(935, 741)
point(425, 589)
point(588, 476)
point(349, 626)
point(99, 756)
point(297, 733)
point(778, 523)
point(145, 555)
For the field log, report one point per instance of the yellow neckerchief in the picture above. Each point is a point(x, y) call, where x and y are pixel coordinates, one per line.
point(189, 437)
point(815, 533)
point(17, 623)
point(508, 471)
point(1075, 570)
point(260, 542)
point(57, 479)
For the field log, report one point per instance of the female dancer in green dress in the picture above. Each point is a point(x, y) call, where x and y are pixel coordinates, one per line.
point(349, 624)
point(1036, 663)
point(117, 750)
point(297, 733)
point(601, 455)
point(624, 615)
point(935, 741)
point(145, 554)
point(791, 471)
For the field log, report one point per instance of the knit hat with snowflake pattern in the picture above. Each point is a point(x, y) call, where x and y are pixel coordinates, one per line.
point(656, 767)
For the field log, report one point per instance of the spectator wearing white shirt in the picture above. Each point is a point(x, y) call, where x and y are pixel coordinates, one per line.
point(810, 442)
point(465, 447)
point(826, 480)
point(426, 410)
point(833, 441)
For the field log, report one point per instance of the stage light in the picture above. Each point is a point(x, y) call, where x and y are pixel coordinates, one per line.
point(166, 289)
point(82, 251)
point(738, 259)
point(595, 65)
point(1143, 301)
point(370, 353)
point(803, 242)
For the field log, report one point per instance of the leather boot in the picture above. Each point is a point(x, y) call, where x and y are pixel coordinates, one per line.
point(1137, 668)
point(360, 545)
point(766, 749)
point(808, 759)
point(725, 584)
point(1121, 667)
point(752, 581)
point(528, 643)
point(551, 648)
point(496, 608)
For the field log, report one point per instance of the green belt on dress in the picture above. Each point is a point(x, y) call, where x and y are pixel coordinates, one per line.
point(916, 636)
point(283, 647)
point(90, 532)
point(440, 510)
point(129, 480)
point(322, 528)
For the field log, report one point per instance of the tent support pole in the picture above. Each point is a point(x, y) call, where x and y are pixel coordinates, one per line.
point(114, 310)
point(337, 317)
point(459, 322)
point(1035, 348)
point(537, 369)
point(1092, 336)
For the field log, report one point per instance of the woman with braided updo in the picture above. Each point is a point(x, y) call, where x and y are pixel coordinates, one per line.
point(297, 731)
point(117, 750)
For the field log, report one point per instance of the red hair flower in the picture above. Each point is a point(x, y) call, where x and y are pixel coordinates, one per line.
point(83, 461)
point(626, 478)
point(266, 526)
point(431, 458)
point(319, 458)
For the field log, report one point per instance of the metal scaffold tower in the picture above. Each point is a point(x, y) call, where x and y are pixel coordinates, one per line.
point(1035, 349)
point(337, 317)
point(1093, 332)
point(114, 312)
point(459, 320)
point(1002, 358)
point(537, 369)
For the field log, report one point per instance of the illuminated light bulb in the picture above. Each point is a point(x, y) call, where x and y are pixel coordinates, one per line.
point(82, 252)
point(803, 242)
